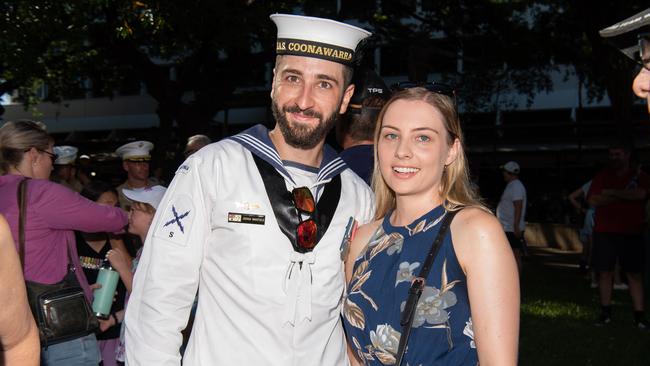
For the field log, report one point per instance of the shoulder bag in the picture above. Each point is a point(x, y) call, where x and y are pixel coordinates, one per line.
point(61, 310)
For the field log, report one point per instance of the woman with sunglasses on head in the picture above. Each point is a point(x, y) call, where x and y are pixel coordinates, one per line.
point(52, 213)
point(468, 311)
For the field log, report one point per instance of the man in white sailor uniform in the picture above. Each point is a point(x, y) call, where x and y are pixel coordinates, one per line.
point(135, 161)
point(256, 222)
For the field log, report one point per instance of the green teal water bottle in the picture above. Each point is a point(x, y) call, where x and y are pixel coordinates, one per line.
point(103, 297)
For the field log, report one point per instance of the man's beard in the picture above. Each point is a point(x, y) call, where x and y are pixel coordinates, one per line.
point(299, 135)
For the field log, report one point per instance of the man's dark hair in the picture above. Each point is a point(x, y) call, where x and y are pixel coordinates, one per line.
point(361, 126)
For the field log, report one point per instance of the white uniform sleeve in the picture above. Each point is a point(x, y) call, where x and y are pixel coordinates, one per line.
point(167, 276)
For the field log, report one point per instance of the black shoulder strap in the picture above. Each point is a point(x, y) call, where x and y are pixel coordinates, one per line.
point(282, 203)
point(418, 285)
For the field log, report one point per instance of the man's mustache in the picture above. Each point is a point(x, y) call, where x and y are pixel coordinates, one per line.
point(307, 112)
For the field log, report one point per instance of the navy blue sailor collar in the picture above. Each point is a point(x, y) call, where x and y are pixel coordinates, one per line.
point(256, 139)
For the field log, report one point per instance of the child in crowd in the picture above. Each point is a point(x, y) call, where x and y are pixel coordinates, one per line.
point(143, 208)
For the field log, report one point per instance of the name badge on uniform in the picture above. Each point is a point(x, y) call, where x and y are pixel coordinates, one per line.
point(243, 218)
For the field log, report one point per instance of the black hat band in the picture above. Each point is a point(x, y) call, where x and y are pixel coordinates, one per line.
point(299, 47)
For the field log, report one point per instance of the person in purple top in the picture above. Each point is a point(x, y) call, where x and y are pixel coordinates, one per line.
point(53, 212)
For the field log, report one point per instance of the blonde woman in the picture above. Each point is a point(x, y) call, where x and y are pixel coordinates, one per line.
point(469, 308)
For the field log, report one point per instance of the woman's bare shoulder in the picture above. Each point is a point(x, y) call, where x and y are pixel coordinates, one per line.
point(475, 218)
point(477, 234)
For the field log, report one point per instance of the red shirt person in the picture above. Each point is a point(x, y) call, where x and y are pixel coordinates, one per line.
point(619, 193)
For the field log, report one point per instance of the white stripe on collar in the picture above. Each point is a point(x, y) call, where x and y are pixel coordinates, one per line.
point(256, 139)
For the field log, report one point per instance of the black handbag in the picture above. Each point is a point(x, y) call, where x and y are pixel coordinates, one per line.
point(417, 286)
point(61, 310)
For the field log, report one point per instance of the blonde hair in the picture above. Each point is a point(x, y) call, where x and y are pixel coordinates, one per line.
point(455, 188)
point(16, 137)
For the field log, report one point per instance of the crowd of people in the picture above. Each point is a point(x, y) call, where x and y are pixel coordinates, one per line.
point(278, 250)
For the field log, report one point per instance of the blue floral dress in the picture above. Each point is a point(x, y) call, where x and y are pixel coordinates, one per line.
point(442, 327)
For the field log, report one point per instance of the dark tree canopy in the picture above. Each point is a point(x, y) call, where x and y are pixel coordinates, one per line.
point(191, 55)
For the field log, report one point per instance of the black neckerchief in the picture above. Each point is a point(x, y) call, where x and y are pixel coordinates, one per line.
point(284, 209)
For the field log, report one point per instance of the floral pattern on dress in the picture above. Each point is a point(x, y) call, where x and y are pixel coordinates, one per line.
point(432, 308)
point(433, 302)
point(377, 244)
point(385, 343)
point(405, 272)
point(469, 331)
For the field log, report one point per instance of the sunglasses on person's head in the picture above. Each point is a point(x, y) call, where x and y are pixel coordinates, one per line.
point(307, 230)
point(432, 86)
point(643, 56)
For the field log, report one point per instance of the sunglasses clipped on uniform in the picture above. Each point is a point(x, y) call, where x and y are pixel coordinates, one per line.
point(432, 86)
point(643, 56)
point(307, 230)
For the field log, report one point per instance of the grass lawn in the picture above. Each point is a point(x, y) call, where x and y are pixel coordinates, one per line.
point(558, 311)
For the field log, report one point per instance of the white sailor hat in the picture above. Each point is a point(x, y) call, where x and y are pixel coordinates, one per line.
point(151, 195)
point(624, 35)
point(135, 151)
point(65, 155)
point(317, 37)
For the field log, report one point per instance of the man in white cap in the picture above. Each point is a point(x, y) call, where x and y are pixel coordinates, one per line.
point(135, 161)
point(65, 171)
point(632, 37)
point(256, 222)
point(511, 210)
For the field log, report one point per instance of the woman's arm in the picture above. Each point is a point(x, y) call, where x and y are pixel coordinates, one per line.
point(359, 241)
point(493, 285)
point(18, 332)
point(64, 209)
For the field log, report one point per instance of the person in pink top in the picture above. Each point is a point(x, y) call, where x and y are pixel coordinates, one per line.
point(53, 212)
